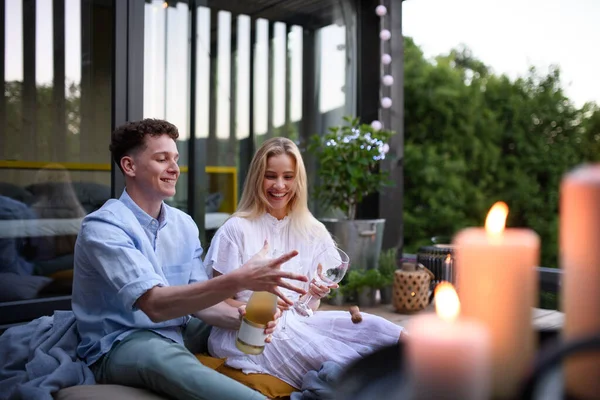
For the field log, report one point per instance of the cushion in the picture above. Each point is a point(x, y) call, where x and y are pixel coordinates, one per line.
point(213, 221)
point(20, 228)
point(64, 275)
point(20, 287)
point(16, 193)
point(92, 195)
point(211, 362)
point(268, 385)
point(103, 392)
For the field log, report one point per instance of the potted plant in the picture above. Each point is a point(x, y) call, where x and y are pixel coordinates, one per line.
point(362, 285)
point(336, 296)
point(349, 157)
point(387, 269)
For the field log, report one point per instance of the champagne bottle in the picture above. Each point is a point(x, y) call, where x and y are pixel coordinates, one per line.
point(259, 311)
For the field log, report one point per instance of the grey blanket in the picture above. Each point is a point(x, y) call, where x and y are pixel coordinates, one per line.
point(318, 385)
point(40, 358)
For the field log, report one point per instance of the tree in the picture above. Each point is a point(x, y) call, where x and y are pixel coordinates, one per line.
point(473, 137)
point(44, 119)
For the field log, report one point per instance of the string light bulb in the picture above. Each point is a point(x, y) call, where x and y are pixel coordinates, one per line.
point(385, 35)
point(377, 125)
point(386, 59)
point(381, 10)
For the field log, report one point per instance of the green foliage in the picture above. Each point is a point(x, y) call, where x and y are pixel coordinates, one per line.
point(473, 137)
point(349, 157)
point(351, 282)
point(549, 301)
point(388, 265)
point(46, 132)
point(360, 278)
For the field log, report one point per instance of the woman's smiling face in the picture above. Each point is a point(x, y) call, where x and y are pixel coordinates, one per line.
point(279, 183)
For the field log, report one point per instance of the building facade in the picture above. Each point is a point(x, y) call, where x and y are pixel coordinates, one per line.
point(228, 73)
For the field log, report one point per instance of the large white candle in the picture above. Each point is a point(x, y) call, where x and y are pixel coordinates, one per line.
point(498, 287)
point(580, 261)
point(447, 358)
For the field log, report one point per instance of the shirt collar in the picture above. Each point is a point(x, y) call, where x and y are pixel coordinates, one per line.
point(142, 216)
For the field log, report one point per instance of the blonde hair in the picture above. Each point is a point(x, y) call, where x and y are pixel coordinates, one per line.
point(254, 203)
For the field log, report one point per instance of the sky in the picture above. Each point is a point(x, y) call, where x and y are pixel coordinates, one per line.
point(44, 69)
point(512, 35)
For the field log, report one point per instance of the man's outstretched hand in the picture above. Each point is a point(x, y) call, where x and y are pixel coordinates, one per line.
point(263, 274)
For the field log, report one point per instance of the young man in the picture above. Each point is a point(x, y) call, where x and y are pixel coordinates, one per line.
point(139, 277)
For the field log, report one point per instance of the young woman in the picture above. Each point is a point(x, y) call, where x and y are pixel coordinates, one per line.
point(274, 208)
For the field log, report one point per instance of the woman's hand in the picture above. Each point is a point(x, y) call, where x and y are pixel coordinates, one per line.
point(270, 326)
point(282, 305)
point(319, 290)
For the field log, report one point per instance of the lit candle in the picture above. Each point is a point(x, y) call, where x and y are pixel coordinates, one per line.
point(580, 261)
point(447, 358)
point(498, 287)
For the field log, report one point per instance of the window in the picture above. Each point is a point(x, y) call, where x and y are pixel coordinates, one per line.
point(55, 122)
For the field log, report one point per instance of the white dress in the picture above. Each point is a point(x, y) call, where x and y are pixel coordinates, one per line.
point(299, 344)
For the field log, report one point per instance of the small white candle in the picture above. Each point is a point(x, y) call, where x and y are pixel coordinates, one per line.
point(498, 286)
point(447, 358)
point(580, 261)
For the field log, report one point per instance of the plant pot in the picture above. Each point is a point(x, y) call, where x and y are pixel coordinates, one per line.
point(366, 297)
point(385, 294)
point(336, 298)
point(361, 239)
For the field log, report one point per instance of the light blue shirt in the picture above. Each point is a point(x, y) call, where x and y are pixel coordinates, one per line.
point(120, 253)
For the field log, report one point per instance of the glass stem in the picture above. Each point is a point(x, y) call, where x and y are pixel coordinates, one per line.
point(307, 300)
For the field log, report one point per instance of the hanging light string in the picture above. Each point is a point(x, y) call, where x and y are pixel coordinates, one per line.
point(387, 80)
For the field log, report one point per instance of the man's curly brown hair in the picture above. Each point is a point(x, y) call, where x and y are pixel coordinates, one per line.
point(131, 136)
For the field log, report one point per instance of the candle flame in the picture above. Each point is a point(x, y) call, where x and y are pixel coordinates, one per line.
point(496, 218)
point(447, 305)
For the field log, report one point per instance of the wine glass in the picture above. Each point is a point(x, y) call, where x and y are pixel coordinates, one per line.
point(332, 264)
